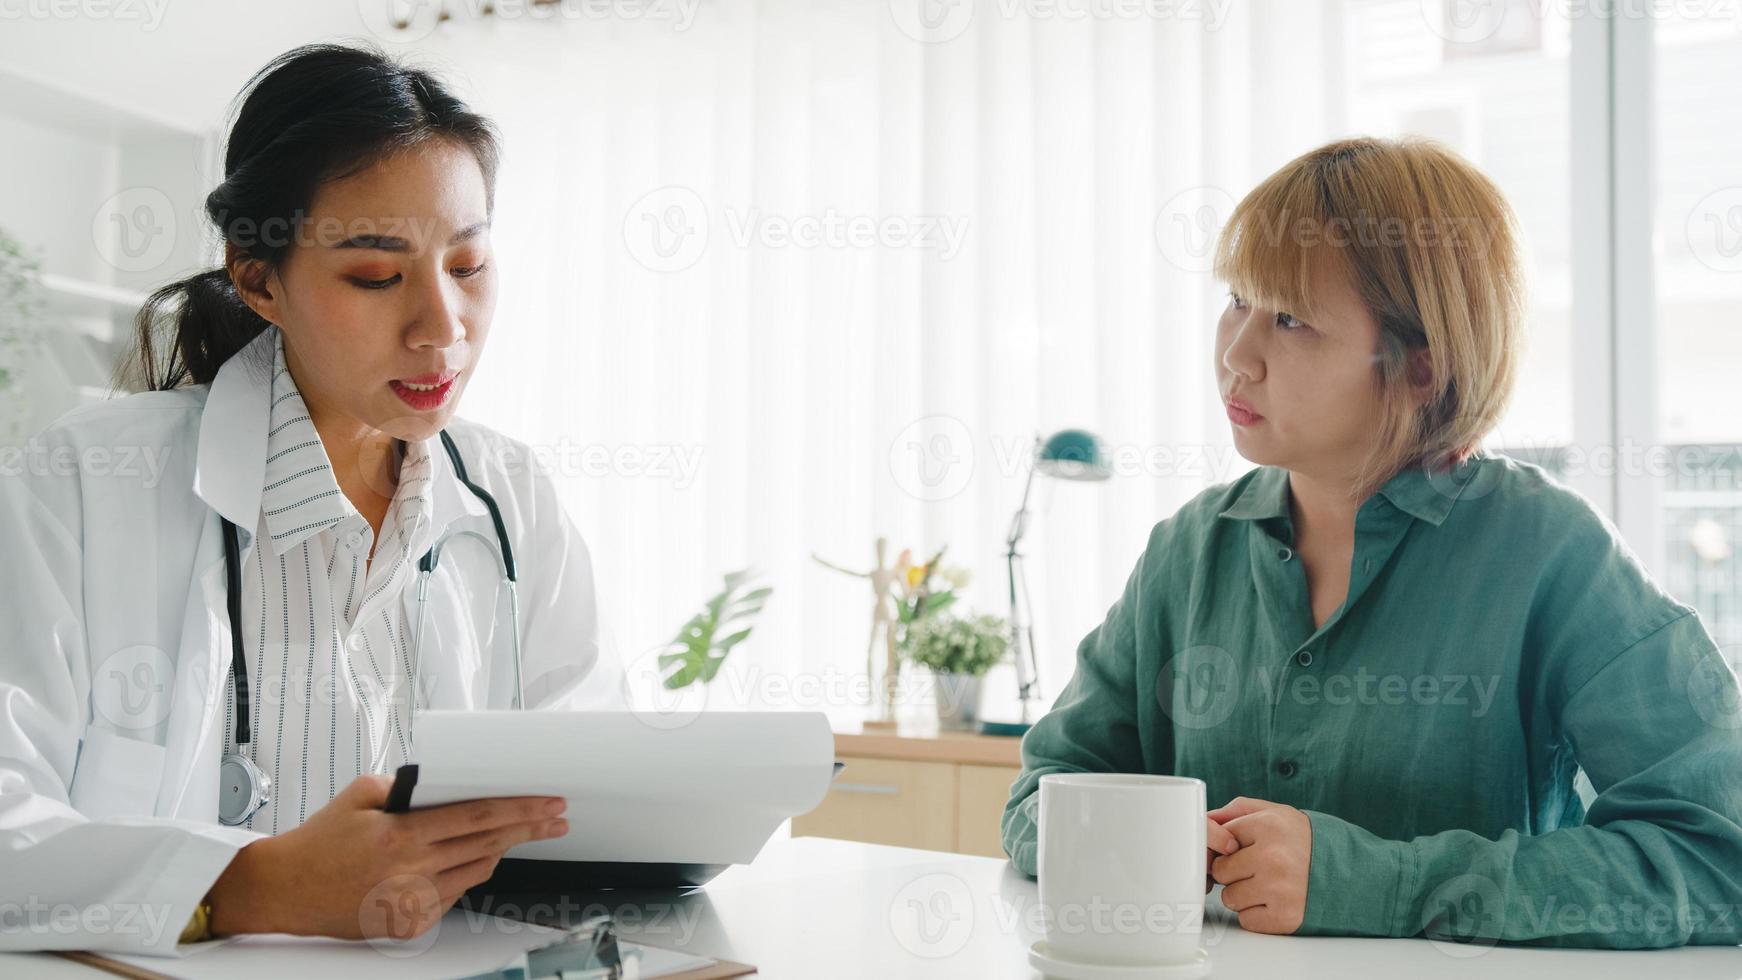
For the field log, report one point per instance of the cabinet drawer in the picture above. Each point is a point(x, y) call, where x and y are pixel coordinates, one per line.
point(981, 792)
point(881, 801)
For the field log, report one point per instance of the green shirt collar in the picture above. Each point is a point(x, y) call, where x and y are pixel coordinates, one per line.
point(1414, 490)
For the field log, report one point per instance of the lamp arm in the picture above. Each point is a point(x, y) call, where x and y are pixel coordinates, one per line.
point(1019, 633)
point(1031, 691)
point(1019, 520)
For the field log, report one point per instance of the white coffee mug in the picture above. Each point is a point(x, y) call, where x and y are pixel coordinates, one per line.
point(1121, 865)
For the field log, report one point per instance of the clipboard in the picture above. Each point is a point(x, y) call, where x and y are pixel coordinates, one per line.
point(631, 806)
point(519, 876)
point(720, 970)
point(405, 780)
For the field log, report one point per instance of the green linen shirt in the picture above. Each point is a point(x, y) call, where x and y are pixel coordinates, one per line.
point(1498, 636)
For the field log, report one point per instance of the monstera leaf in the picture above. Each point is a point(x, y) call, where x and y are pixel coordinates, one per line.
point(700, 648)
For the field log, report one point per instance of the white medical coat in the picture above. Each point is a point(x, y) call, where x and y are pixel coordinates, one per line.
point(115, 645)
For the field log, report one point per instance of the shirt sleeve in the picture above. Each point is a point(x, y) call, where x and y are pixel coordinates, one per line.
point(1093, 726)
point(1657, 863)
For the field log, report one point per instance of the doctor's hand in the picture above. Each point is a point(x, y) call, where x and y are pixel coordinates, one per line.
point(1265, 881)
point(354, 871)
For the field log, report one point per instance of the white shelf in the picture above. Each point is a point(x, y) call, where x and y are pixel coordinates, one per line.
point(90, 296)
point(64, 107)
point(82, 148)
point(97, 309)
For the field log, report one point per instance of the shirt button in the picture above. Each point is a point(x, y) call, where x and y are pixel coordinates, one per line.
point(1304, 658)
point(1285, 553)
point(354, 539)
point(355, 643)
point(1286, 768)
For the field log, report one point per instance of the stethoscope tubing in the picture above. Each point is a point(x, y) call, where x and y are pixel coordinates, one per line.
point(252, 789)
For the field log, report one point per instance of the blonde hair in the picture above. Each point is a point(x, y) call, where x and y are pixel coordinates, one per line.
point(1431, 246)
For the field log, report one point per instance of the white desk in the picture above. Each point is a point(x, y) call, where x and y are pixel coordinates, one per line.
point(812, 907)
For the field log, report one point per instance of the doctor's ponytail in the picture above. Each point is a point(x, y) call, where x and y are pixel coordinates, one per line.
point(314, 114)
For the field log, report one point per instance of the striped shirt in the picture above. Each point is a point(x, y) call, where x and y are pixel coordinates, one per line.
point(327, 642)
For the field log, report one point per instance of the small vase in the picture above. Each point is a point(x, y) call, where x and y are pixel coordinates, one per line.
point(958, 697)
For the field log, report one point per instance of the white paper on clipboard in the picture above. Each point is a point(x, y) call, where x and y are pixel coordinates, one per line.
point(702, 788)
point(462, 944)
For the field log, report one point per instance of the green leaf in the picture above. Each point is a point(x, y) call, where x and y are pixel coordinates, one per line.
point(698, 652)
point(683, 677)
point(733, 640)
point(711, 666)
point(937, 601)
point(740, 614)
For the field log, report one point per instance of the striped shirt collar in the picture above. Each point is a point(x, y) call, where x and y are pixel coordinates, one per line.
point(301, 496)
point(230, 461)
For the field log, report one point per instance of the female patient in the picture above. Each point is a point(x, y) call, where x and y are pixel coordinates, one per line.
point(1389, 652)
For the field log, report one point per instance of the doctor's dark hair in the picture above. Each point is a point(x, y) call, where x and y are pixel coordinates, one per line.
point(314, 114)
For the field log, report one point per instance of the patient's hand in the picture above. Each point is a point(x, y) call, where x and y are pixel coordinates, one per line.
point(1220, 841)
point(354, 871)
point(1265, 881)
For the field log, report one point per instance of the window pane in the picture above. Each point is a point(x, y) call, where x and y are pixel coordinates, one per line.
point(1697, 138)
point(1497, 91)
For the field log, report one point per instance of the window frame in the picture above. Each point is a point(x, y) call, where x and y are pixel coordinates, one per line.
point(1613, 269)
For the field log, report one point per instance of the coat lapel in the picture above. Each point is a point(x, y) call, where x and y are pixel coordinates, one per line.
point(229, 475)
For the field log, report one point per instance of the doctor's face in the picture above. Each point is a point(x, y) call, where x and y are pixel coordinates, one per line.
point(1312, 384)
point(386, 298)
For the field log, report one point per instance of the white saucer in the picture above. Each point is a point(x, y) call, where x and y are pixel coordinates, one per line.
point(1040, 957)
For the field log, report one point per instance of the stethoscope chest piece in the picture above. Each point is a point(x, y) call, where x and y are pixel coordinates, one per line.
point(243, 788)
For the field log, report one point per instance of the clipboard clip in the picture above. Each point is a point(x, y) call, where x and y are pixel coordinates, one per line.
point(587, 950)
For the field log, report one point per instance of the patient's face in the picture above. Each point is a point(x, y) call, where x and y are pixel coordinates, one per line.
point(1314, 383)
point(390, 285)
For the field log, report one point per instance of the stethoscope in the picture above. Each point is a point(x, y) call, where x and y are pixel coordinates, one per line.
point(243, 787)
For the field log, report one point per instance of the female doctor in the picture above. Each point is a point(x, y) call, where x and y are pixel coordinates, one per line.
point(299, 395)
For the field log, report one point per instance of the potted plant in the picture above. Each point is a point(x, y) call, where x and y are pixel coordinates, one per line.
point(903, 594)
point(958, 652)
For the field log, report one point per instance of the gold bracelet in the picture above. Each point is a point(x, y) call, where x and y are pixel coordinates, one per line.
point(199, 927)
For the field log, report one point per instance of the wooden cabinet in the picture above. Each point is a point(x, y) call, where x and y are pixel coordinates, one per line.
point(940, 792)
point(981, 792)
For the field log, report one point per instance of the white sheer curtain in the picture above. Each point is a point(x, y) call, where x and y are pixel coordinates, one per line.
point(1071, 151)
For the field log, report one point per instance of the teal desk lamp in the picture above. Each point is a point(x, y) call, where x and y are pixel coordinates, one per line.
point(1070, 454)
